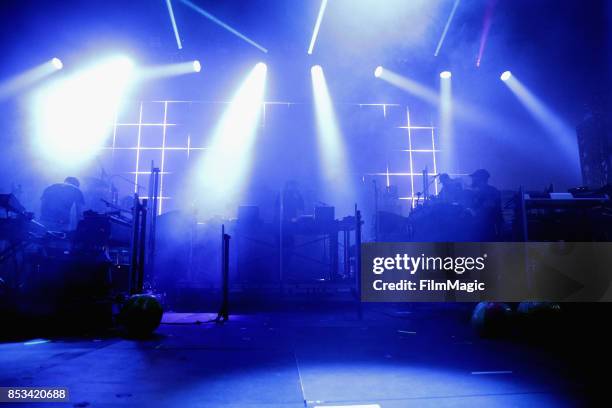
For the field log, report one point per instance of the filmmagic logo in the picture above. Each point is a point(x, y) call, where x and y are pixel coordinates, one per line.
point(429, 285)
point(412, 264)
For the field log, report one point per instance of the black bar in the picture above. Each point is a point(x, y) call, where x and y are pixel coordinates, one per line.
point(358, 260)
point(134, 244)
point(142, 247)
point(154, 209)
point(223, 314)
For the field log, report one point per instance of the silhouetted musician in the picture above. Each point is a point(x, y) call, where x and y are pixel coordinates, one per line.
point(486, 205)
point(57, 204)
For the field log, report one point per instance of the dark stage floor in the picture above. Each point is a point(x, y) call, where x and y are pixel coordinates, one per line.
point(423, 356)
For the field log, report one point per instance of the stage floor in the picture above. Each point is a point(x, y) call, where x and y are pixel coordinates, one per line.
point(397, 356)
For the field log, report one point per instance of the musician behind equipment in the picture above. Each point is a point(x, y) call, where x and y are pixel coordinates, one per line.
point(429, 285)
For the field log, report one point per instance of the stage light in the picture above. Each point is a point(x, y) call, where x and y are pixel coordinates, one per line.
point(446, 74)
point(506, 76)
point(25, 79)
point(223, 172)
point(334, 166)
point(407, 84)
point(315, 32)
point(74, 116)
point(57, 63)
point(461, 109)
point(197, 67)
point(169, 70)
point(559, 132)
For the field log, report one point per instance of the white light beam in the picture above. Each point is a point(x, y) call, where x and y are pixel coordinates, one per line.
point(220, 23)
point(315, 32)
point(447, 26)
point(174, 26)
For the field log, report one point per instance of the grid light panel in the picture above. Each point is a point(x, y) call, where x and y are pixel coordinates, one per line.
point(416, 149)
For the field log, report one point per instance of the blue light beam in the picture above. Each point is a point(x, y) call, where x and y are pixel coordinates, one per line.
point(315, 32)
point(446, 163)
point(335, 169)
point(463, 110)
point(407, 84)
point(562, 134)
point(446, 27)
point(169, 70)
point(179, 44)
point(226, 164)
point(220, 23)
point(73, 116)
point(22, 81)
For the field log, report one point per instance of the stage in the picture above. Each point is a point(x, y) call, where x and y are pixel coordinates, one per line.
point(315, 203)
point(397, 356)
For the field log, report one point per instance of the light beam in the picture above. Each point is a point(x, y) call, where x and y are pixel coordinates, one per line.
point(169, 70)
point(461, 109)
point(315, 32)
point(223, 25)
point(72, 117)
point(407, 84)
point(225, 167)
point(22, 81)
point(446, 27)
point(559, 132)
point(179, 44)
point(446, 162)
point(335, 169)
point(486, 28)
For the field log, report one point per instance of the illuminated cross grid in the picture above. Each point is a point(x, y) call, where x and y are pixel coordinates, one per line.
point(131, 140)
point(418, 148)
point(154, 132)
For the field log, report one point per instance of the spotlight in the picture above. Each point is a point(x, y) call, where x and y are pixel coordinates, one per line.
point(315, 32)
point(409, 85)
point(560, 134)
point(223, 174)
point(445, 74)
point(18, 83)
point(197, 67)
point(57, 63)
point(332, 149)
point(169, 70)
point(73, 116)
